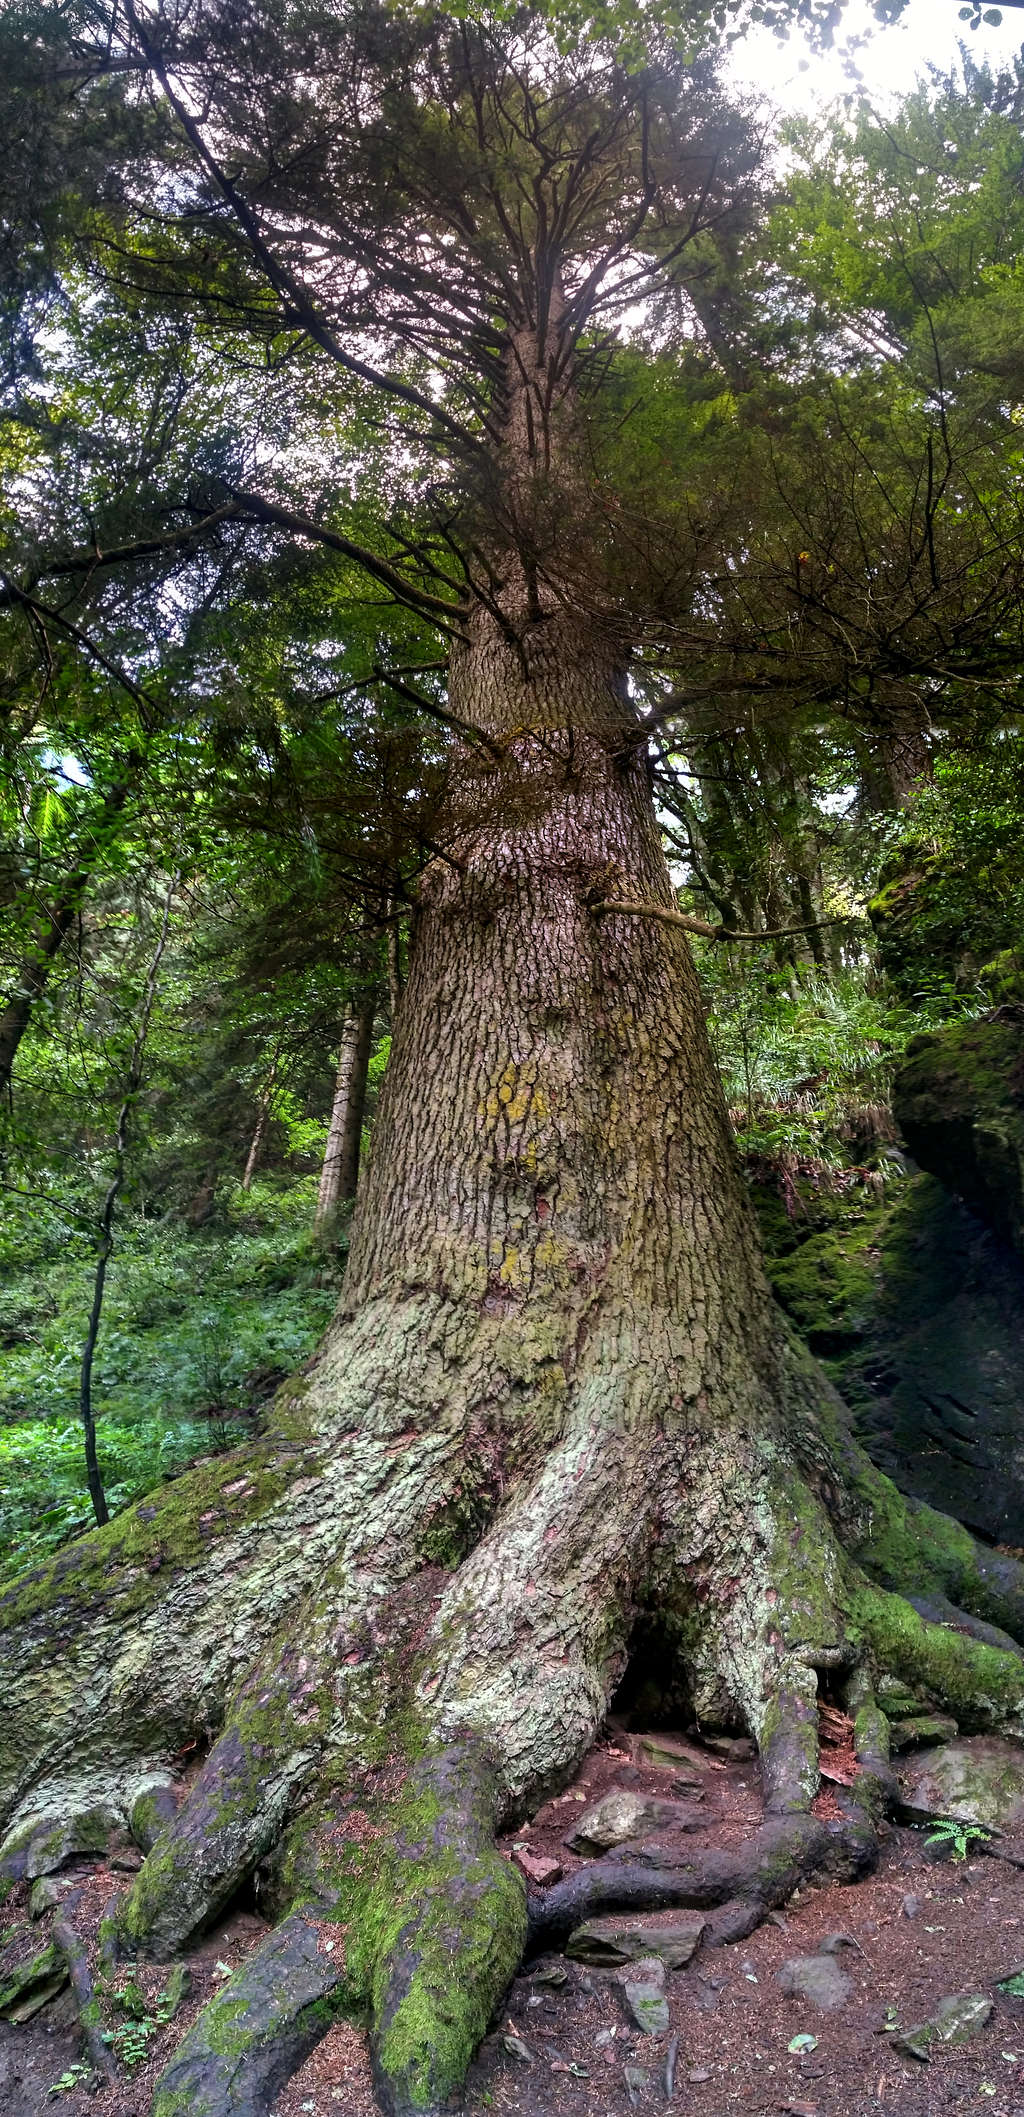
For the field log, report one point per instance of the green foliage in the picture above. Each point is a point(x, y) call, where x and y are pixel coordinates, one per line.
point(77, 2075)
point(950, 910)
point(807, 1060)
point(130, 2040)
point(957, 1836)
point(199, 1328)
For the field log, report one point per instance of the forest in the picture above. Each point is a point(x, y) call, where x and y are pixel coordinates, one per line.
point(511, 1065)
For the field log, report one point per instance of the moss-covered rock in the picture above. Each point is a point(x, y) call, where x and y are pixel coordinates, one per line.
point(29, 1967)
point(959, 1101)
point(980, 1781)
point(918, 1313)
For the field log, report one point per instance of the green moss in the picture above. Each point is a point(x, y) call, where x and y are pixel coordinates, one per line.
point(165, 1873)
point(981, 1685)
point(432, 1939)
point(908, 1545)
point(827, 1289)
point(467, 1947)
point(871, 1732)
point(132, 1557)
point(227, 2026)
point(34, 1969)
point(455, 1528)
point(801, 1565)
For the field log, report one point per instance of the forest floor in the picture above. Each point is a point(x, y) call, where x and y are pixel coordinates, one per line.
point(920, 1930)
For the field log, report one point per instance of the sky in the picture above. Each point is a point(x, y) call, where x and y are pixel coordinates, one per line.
point(889, 60)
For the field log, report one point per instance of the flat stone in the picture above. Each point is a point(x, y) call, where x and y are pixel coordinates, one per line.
point(911, 1907)
point(816, 1979)
point(538, 1868)
point(44, 1895)
point(621, 1814)
point(672, 1936)
point(670, 1753)
point(919, 1729)
point(553, 1974)
point(955, 2021)
point(736, 1749)
point(977, 1780)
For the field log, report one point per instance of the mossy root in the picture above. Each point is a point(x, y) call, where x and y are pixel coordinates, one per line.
point(73, 1950)
point(447, 1927)
point(252, 2037)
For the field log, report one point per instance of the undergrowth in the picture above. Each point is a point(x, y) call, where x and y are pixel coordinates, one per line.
point(198, 1329)
point(807, 1062)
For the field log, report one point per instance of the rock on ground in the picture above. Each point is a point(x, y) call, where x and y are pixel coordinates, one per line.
point(979, 1780)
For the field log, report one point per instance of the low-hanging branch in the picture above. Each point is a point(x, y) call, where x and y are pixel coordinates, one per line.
point(436, 608)
point(634, 909)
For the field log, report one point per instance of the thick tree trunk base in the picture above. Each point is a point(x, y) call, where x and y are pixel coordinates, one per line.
point(397, 1638)
point(560, 1410)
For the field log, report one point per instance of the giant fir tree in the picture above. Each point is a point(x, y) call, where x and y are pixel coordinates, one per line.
point(558, 1409)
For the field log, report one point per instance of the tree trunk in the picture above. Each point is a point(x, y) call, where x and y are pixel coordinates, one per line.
point(557, 1406)
point(340, 1174)
point(260, 1128)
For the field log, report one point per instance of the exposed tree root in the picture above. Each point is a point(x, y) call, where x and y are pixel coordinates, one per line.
point(762, 1873)
point(74, 1952)
point(418, 1929)
point(250, 2040)
point(368, 1744)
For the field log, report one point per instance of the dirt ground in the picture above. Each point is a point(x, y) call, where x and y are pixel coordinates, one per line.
point(919, 1930)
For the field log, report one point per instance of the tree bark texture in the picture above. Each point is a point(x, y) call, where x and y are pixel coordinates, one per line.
point(340, 1174)
point(557, 1405)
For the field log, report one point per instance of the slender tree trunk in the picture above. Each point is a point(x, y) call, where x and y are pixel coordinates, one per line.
point(394, 950)
point(132, 1085)
point(260, 1128)
point(340, 1174)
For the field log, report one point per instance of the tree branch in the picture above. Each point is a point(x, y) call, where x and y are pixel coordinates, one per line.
point(404, 591)
point(692, 925)
point(298, 305)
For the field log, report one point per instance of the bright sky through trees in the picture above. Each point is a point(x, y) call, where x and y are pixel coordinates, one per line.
point(887, 61)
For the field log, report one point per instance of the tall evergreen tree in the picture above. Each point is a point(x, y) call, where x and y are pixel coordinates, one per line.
point(557, 1404)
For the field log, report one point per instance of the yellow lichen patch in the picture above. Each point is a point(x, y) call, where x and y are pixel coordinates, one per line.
point(515, 1095)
